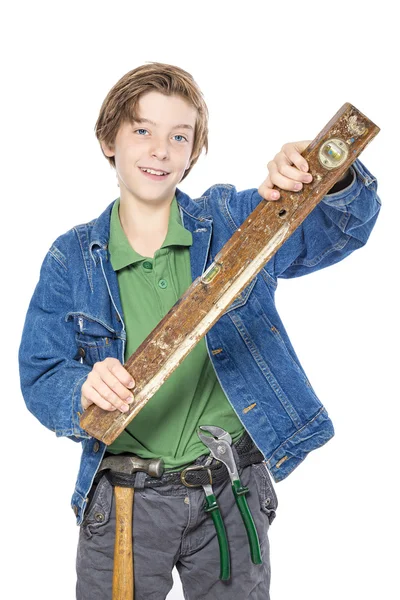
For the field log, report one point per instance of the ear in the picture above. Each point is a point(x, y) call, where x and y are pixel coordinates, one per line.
point(108, 150)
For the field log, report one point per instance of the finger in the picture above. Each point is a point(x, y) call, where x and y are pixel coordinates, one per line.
point(291, 172)
point(85, 402)
point(110, 389)
point(266, 190)
point(293, 153)
point(91, 396)
point(120, 372)
point(285, 183)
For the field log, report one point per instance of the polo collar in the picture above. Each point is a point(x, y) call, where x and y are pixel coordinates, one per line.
point(121, 252)
point(99, 231)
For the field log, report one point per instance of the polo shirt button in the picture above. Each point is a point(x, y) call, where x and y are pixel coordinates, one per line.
point(163, 284)
point(147, 265)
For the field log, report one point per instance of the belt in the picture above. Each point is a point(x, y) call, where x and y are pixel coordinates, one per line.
point(196, 475)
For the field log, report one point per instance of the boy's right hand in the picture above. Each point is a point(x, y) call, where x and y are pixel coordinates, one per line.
point(109, 386)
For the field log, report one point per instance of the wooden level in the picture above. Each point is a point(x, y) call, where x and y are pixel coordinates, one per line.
point(329, 156)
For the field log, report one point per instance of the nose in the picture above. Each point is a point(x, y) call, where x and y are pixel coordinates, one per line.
point(160, 149)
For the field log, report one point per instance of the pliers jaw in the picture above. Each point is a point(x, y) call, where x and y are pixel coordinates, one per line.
point(217, 432)
point(219, 443)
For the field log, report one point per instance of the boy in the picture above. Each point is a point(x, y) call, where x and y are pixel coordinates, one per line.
point(105, 285)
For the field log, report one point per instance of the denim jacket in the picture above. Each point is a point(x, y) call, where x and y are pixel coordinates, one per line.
point(75, 319)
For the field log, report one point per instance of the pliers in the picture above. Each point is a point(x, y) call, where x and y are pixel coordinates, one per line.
point(219, 443)
point(212, 507)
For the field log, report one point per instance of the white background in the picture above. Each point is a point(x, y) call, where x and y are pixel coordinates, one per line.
point(270, 73)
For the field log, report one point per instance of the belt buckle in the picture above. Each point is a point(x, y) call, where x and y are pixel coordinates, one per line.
point(195, 468)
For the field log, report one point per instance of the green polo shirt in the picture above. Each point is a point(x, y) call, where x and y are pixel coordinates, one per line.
point(166, 427)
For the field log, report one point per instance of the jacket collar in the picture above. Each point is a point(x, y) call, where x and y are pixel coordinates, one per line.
point(194, 211)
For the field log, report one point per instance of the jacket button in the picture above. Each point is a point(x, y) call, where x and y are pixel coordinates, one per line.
point(96, 447)
point(75, 509)
point(82, 352)
point(118, 317)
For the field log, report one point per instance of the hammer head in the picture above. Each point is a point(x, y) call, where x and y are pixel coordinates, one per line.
point(120, 463)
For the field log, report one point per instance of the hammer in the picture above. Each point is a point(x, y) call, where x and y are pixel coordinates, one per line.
point(123, 580)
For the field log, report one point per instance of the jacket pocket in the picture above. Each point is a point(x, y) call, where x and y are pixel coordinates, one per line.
point(94, 339)
point(266, 492)
point(277, 335)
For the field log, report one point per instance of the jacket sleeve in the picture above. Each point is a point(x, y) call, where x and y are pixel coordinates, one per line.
point(339, 224)
point(50, 372)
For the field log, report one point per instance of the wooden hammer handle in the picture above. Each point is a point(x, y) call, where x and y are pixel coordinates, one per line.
point(123, 581)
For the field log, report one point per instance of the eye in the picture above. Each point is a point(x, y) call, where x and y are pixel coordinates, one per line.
point(178, 135)
point(140, 131)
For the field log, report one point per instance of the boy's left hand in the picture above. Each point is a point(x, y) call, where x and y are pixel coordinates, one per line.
point(288, 171)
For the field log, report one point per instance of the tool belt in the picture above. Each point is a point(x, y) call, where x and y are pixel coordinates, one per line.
point(246, 454)
point(223, 463)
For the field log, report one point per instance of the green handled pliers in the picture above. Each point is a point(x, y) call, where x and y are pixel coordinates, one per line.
point(213, 508)
point(219, 443)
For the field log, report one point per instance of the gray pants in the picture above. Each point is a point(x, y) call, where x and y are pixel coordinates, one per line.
point(171, 528)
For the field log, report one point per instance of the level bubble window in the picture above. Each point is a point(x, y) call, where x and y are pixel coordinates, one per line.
point(333, 153)
point(211, 272)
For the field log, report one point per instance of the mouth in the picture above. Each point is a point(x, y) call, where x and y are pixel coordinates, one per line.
point(154, 173)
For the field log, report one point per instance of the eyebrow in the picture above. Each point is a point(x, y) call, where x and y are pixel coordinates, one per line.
point(180, 126)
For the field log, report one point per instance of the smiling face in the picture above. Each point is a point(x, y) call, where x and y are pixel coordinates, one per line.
point(160, 140)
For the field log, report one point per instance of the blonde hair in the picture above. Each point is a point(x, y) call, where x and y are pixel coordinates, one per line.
point(120, 102)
